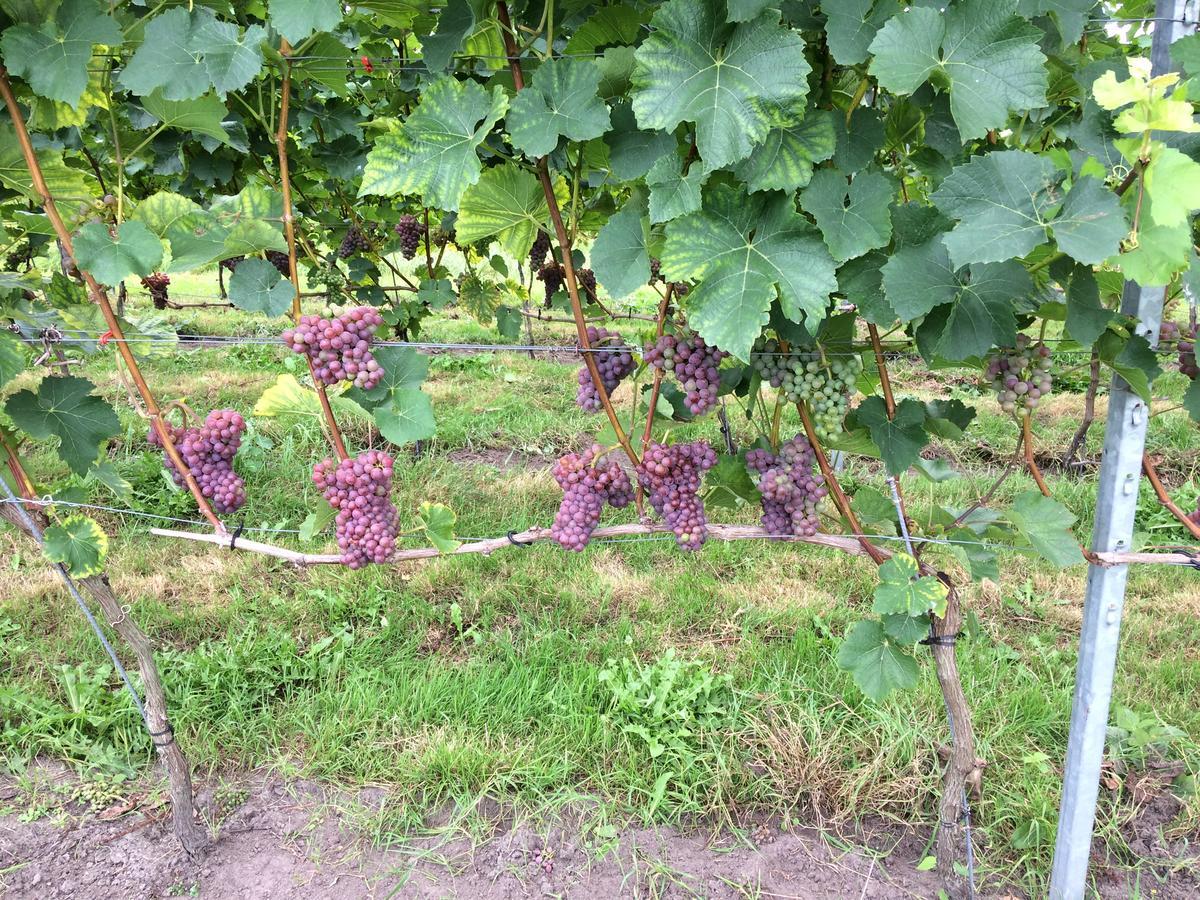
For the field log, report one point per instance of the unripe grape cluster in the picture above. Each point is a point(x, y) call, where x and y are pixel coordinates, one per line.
point(366, 521)
point(1019, 375)
point(551, 276)
point(615, 362)
point(340, 349)
point(587, 484)
point(156, 283)
point(824, 382)
point(208, 451)
point(410, 232)
point(695, 366)
point(352, 243)
point(331, 279)
point(539, 250)
point(280, 261)
point(789, 487)
point(672, 477)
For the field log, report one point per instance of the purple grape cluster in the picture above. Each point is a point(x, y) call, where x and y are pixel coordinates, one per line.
point(614, 363)
point(230, 264)
point(340, 349)
point(366, 521)
point(587, 284)
point(539, 250)
point(695, 366)
point(587, 484)
point(551, 275)
point(208, 451)
point(156, 283)
point(280, 261)
point(1019, 375)
point(672, 477)
point(655, 270)
point(352, 243)
point(789, 487)
point(1187, 355)
point(410, 232)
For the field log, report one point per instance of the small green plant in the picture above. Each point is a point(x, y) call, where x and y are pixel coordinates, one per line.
point(1133, 737)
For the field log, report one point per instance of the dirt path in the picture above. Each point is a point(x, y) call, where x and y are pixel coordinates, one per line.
point(297, 839)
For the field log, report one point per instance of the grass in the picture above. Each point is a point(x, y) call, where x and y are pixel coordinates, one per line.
point(463, 677)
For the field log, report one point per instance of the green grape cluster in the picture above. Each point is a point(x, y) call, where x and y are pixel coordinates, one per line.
point(331, 280)
point(824, 381)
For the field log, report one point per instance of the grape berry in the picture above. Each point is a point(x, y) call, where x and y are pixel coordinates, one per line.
point(789, 487)
point(156, 283)
point(695, 366)
point(208, 451)
point(587, 484)
point(615, 363)
point(823, 382)
point(672, 477)
point(410, 232)
point(1020, 376)
point(340, 349)
point(366, 521)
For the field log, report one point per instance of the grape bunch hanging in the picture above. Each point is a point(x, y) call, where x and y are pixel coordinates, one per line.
point(156, 283)
point(1019, 375)
point(339, 349)
point(551, 276)
point(790, 489)
point(539, 251)
point(587, 484)
point(280, 261)
point(615, 362)
point(359, 489)
point(695, 366)
point(672, 477)
point(1185, 345)
point(823, 381)
point(411, 232)
point(354, 241)
point(230, 264)
point(208, 451)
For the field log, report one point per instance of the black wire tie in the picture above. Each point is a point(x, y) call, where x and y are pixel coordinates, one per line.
point(513, 540)
point(942, 640)
point(237, 533)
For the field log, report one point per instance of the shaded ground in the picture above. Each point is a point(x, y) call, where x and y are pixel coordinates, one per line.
point(293, 839)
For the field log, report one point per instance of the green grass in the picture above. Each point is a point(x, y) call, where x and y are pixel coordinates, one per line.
point(461, 677)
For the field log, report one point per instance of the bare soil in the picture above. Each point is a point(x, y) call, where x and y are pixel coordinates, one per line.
point(280, 838)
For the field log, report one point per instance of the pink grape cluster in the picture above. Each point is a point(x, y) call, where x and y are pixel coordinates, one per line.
point(208, 451)
point(410, 232)
point(587, 484)
point(551, 276)
point(1020, 376)
point(340, 349)
point(157, 283)
point(789, 487)
point(695, 366)
point(672, 477)
point(615, 362)
point(366, 521)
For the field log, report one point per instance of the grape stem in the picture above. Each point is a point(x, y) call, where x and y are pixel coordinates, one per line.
point(1089, 411)
point(889, 404)
point(100, 297)
point(1030, 462)
point(1165, 499)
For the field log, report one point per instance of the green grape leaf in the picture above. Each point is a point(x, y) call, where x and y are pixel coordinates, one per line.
point(729, 483)
point(403, 368)
point(508, 322)
point(1173, 186)
point(745, 10)
point(328, 64)
point(606, 26)
point(988, 55)
point(66, 408)
point(1132, 358)
point(12, 357)
point(507, 203)
point(795, 142)
point(453, 25)
point(297, 19)
point(878, 662)
point(919, 277)
point(743, 249)
point(853, 218)
point(620, 256)
point(1161, 253)
point(406, 416)
point(257, 286)
point(232, 59)
point(903, 590)
point(1191, 399)
point(203, 115)
point(856, 144)
point(79, 544)
point(850, 26)
point(54, 57)
point(861, 282)
point(170, 59)
point(287, 397)
point(67, 184)
point(906, 630)
point(561, 101)
point(981, 560)
point(673, 193)
point(317, 521)
point(632, 151)
point(1046, 524)
point(197, 237)
point(1069, 15)
point(1087, 318)
point(437, 521)
point(874, 510)
point(695, 67)
point(1091, 224)
point(433, 154)
point(900, 440)
point(982, 317)
point(107, 474)
point(134, 251)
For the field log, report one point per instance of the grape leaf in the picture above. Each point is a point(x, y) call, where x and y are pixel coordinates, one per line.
point(437, 520)
point(197, 237)
point(54, 57)
point(900, 440)
point(297, 19)
point(561, 101)
point(134, 251)
point(606, 26)
point(287, 397)
point(742, 249)
point(1191, 399)
point(203, 115)
point(857, 142)
point(861, 282)
point(850, 26)
point(878, 663)
point(918, 278)
point(1132, 358)
point(795, 142)
point(65, 408)
point(406, 416)
point(982, 315)
point(170, 59)
point(673, 193)
point(1046, 524)
point(1161, 252)
point(257, 286)
point(453, 25)
point(78, 543)
point(433, 153)
point(729, 483)
point(619, 255)
point(1086, 316)
point(853, 218)
point(1069, 15)
point(232, 59)
point(901, 591)
point(989, 56)
point(12, 357)
point(980, 559)
point(632, 151)
point(1091, 224)
point(695, 67)
point(506, 203)
point(403, 367)
point(906, 630)
point(1173, 186)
